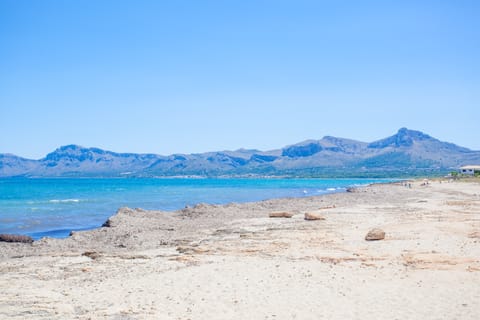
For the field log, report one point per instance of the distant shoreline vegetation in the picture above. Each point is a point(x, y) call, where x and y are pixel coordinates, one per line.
point(313, 173)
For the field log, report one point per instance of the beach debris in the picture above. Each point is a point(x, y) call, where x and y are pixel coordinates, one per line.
point(328, 207)
point(375, 234)
point(91, 254)
point(183, 249)
point(280, 214)
point(15, 238)
point(191, 250)
point(475, 234)
point(313, 216)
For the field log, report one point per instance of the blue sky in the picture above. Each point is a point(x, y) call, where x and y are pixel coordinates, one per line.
point(192, 76)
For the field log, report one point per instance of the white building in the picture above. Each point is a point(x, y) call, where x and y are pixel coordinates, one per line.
point(469, 170)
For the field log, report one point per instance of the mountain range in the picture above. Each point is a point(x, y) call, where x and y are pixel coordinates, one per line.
point(406, 153)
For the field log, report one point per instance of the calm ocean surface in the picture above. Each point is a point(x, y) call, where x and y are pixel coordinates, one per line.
point(54, 207)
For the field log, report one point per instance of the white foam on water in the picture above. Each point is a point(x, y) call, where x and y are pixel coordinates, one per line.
point(64, 200)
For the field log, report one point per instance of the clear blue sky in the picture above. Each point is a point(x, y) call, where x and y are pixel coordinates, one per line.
point(192, 76)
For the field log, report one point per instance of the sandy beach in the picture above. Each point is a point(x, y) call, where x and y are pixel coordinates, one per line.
point(235, 262)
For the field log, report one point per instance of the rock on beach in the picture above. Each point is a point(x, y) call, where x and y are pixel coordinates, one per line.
point(375, 234)
point(313, 216)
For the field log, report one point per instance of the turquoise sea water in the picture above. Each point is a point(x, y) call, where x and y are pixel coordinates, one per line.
point(54, 207)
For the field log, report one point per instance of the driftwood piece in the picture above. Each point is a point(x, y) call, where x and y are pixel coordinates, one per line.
point(15, 238)
point(280, 214)
point(313, 216)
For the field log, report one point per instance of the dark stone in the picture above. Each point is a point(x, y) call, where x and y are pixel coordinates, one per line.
point(107, 224)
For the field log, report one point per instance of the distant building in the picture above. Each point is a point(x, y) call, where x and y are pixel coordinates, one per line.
point(469, 170)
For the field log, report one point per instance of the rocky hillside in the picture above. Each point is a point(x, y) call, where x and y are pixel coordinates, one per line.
point(407, 152)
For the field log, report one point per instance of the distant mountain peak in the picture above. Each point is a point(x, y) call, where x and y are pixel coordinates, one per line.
point(403, 138)
point(73, 151)
point(414, 134)
point(69, 147)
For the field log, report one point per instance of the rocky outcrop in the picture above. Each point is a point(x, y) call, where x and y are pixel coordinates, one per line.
point(301, 151)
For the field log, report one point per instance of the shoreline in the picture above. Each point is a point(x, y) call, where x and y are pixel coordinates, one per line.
point(233, 261)
point(88, 203)
point(81, 229)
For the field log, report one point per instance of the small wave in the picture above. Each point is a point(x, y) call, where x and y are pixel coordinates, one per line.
point(64, 200)
point(58, 233)
point(331, 190)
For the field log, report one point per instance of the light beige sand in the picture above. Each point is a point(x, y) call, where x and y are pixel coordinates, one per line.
point(233, 262)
